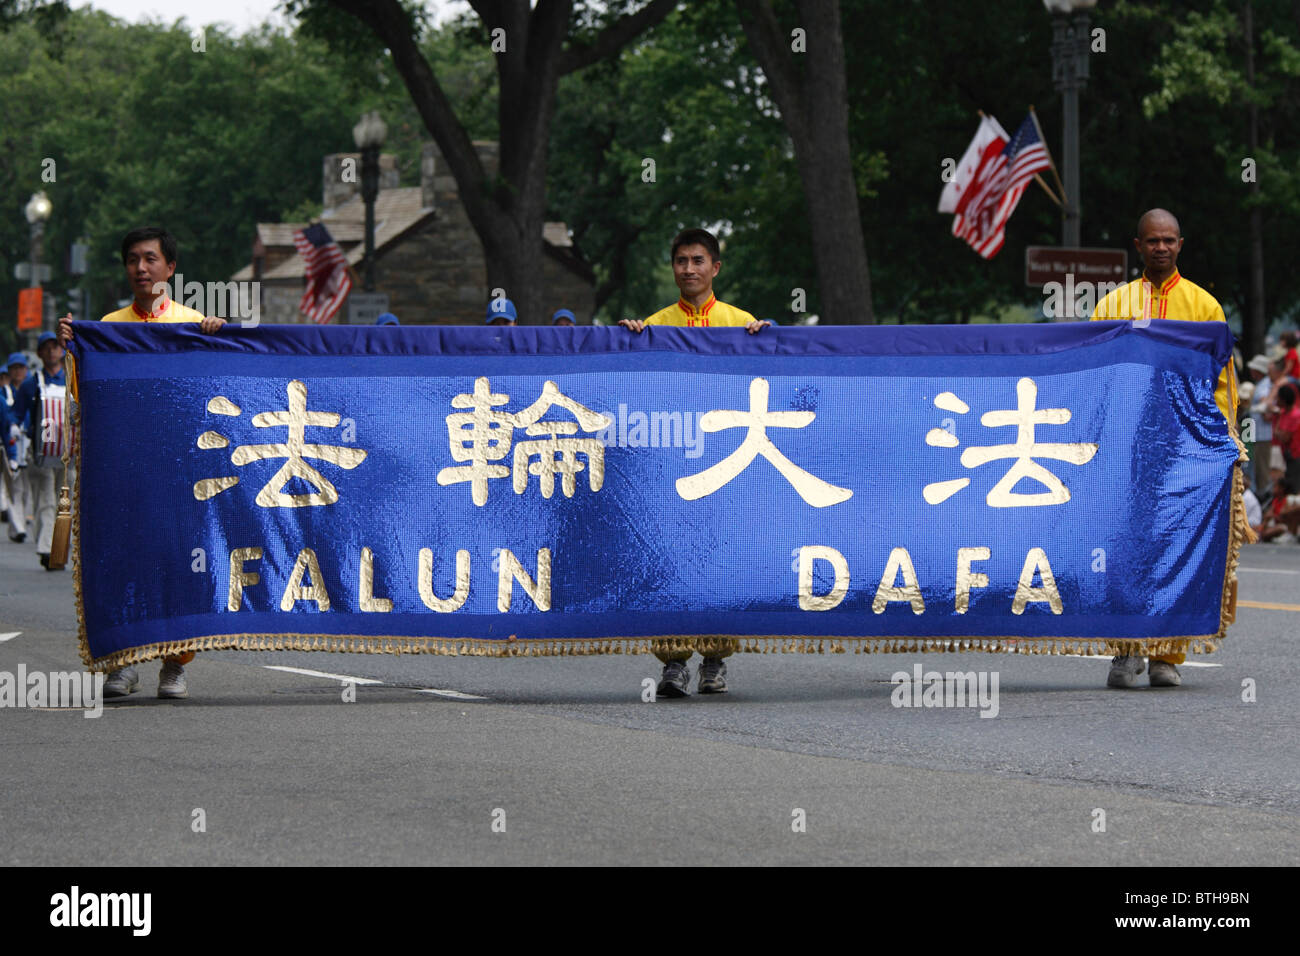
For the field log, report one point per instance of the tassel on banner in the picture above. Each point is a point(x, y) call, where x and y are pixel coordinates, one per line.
point(62, 530)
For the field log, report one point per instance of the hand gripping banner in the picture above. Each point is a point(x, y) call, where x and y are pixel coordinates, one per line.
point(515, 491)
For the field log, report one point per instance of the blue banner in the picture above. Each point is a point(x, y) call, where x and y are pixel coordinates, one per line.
point(582, 490)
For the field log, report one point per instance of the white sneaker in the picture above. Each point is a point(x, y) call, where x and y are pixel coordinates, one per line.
point(1124, 671)
point(1164, 674)
point(171, 681)
point(121, 682)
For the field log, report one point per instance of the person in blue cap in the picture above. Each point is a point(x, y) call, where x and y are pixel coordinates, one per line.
point(501, 312)
point(41, 402)
point(387, 318)
point(14, 494)
point(564, 318)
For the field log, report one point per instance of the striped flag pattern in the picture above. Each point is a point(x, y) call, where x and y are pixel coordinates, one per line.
point(53, 424)
point(326, 272)
point(987, 204)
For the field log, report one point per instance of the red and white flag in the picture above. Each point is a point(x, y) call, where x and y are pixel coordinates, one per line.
point(987, 202)
point(328, 281)
point(972, 173)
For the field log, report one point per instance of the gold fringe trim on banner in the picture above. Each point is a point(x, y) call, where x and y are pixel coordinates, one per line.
point(582, 647)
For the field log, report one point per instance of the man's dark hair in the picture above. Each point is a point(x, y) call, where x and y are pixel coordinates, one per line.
point(1286, 395)
point(697, 237)
point(165, 239)
point(1288, 339)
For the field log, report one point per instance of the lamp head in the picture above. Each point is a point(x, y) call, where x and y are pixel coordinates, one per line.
point(39, 208)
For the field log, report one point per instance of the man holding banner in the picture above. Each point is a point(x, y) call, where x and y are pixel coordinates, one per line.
point(149, 258)
point(696, 260)
point(1161, 293)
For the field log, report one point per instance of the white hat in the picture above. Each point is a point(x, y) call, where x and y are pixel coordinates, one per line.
point(1259, 363)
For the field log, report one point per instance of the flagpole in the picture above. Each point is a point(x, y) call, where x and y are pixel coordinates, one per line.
point(1051, 162)
point(1039, 179)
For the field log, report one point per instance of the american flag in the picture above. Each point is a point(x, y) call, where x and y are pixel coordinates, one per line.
point(328, 282)
point(989, 204)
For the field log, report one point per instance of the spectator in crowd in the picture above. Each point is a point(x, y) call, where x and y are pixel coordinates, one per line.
point(564, 318)
point(387, 318)
point(1261, 400)
point(1290, 359)
point(1286, 430)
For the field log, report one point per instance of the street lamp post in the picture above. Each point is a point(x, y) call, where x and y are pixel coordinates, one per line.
point(1070, 40)
point(38, 210)
point(369, 135)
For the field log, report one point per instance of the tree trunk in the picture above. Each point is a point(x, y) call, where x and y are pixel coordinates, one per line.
point(811, 91)
point(508, 213)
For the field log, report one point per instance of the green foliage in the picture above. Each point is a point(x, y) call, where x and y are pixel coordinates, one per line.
point(144, 129)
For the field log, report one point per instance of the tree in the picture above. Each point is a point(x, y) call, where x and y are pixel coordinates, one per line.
point(1219, 57)
point(534, 48)
point(140, 128)
point(809, 86)
point(680, 130)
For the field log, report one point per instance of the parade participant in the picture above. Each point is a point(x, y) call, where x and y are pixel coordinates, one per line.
point(149, 258)
point(563, 318)
point(1161, 293)
point(500, 312)
point(41, 403)
point(14, 495)
point(387, 318)
point(696, 261)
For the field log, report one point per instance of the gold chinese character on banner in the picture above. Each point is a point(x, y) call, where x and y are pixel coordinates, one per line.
point(1025, 417)
point(757, 420)
point(295, 450)
point(484, 435)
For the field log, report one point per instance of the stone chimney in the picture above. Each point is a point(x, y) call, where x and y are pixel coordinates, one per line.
point(437, 185)
point(342, 177)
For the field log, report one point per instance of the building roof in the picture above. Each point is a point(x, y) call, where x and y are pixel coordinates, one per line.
point(396, 212)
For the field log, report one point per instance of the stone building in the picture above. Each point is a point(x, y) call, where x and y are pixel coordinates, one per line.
point(428, 259)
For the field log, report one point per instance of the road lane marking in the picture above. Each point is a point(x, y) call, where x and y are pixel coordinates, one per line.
point(1269, 606)
point(453, 694)
point(1105, 657)
point(345, 679)
point(9, 637)
point(309, 673)
point(1269, 570)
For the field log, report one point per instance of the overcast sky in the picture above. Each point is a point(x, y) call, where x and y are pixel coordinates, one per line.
point(239, 14)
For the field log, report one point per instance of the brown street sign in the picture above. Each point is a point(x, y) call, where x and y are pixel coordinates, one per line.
point(1044, 264)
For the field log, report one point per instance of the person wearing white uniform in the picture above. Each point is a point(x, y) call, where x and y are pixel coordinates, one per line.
point(14, 496)
point(43, 402)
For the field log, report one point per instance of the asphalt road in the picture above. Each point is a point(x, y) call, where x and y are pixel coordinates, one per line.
point(559, 761)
